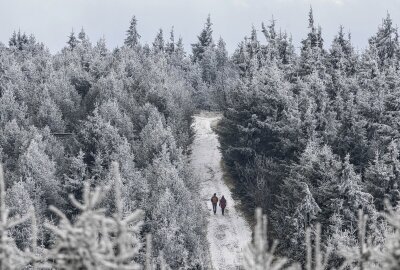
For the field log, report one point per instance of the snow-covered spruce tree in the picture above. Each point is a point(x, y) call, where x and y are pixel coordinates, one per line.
point(377, 179)
point(279, 47)
point(350, 196)
point(387, 43)
point(153, 137)
point(11, 257)
point(170, 44)
point(72, 41)
point(223, 73)
point(19, 203)
point(158, 43)
point(335, 193)
point(364, 254)
point(175, 218)
point(389, 256)
point(18, 40)
point(38, 172)
point(94, 240)
point(205, 69)
point(132, 35)
point(11, 109)
point(342, 58)
point(301, 212)
point(312, 52)
point(205, 40)
point(260, 255)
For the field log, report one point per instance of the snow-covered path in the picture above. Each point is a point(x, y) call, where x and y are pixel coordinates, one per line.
point(227, 235)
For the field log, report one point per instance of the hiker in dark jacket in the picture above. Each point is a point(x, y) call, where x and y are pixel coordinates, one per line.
point(222, 204)
point(214, 201)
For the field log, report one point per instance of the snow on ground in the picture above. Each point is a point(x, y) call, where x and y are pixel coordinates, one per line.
point(227, 235)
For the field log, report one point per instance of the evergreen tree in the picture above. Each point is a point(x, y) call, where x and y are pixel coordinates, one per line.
point(19, 41)
point(38, 172)
point(314, 38)
point(342, 57)
point(286, 50)
point(82, 35)
point(377, 177)
point(270, 51)
point(158, 44)
point(180, 49)
point(223, 73)
point(77, 243)
point(132, 35)
point(11, 257)
point(72, 41)
point(242, 60)
point(386, 43)
point(153, 137)
point(350, 196)
point(253, 45)
point(205, 41)
point(389, 257)
point(259, 255)
point(20, 204)
point(382, 177)
point(221, 54)
point(13, 40)
point(312, 53)
point(170, 46)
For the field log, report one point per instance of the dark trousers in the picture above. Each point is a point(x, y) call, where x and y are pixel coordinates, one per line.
point(214, 208)
point(223, 208)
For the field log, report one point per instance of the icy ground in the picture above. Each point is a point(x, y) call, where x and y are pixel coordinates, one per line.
point(228, 235)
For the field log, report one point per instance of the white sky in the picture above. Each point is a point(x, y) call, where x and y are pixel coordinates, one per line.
point(51, 21)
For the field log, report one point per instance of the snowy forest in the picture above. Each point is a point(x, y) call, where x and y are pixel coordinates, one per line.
point(96, 146)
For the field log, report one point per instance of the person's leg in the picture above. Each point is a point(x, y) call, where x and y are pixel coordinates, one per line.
point(223, 210)
point(214, 208)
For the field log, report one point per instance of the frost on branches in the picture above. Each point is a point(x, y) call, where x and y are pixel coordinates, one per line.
point(11, 257)
point(94, 240)
point(260, 255)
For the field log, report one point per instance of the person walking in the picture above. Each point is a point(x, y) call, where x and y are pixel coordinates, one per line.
point(222, 204)
point(214, 201)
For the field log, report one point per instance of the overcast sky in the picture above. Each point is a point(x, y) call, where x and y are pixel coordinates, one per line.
point(51, 21)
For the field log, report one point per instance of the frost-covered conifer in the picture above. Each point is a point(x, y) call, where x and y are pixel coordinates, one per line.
point(132, 35)
point(390, 254)
point(94, 240)
point(260, 255)
point(11, 257)
point(365, 253)
point(158, 44)
point(205, 41)
point(72, 41)
point(170, 45)
point(386, 43)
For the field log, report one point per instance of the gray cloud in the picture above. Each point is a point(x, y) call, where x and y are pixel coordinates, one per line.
point(52, 20)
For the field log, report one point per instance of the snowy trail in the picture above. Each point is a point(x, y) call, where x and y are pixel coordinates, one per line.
point(227, 235)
